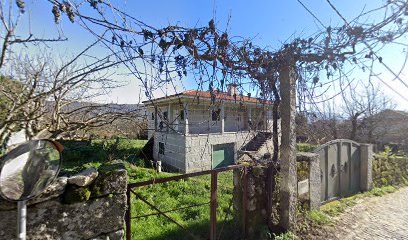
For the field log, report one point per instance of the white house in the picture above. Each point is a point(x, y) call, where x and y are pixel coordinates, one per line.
point(194, 131)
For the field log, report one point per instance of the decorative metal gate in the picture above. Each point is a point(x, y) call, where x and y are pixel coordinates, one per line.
point(339, 169)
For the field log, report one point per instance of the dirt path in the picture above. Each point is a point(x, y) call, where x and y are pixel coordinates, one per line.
point(374, 218)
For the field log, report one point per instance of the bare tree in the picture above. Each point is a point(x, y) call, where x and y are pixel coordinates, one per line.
point(360, 110)
point(11, 14)
point(45, 95)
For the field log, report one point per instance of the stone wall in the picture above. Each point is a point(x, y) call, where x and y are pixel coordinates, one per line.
point(89, 205)
point(256, 212)
point(390, 170)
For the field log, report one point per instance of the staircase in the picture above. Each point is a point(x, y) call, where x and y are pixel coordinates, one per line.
point(257, 142)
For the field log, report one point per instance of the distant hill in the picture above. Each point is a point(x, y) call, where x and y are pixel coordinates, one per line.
point(103, 108)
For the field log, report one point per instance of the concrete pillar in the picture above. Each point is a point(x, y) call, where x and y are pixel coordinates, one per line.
point(288, 173)
point(366, 166)
point(155, 119)
point(168, 117)
point(186, 127)
point(222, 118)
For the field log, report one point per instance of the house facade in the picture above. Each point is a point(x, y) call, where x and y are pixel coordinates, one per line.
point(195, 131)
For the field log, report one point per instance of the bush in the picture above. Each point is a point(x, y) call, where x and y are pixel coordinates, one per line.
point(305, 147)
point(78, 155)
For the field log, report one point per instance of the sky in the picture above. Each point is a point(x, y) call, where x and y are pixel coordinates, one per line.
point(268, 22)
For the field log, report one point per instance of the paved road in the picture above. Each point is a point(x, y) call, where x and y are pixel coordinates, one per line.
point(375, 218)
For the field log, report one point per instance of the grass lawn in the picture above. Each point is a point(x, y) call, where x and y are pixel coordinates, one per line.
point(165, 196)
point(179, 194)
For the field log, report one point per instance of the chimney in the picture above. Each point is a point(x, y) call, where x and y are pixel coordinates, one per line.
point(232, 89)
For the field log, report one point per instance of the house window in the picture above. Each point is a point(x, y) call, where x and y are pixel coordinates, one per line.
point(182, 115)
point(161, 148)
point(215, 116)
point(165, 116)
point(152, 116)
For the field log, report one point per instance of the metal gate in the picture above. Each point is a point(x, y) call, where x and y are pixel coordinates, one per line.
point(339, 169)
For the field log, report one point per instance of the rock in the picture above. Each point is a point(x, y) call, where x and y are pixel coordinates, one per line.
point(85, 220)
point(84, 178)
point(112, 179)
point(305, 156)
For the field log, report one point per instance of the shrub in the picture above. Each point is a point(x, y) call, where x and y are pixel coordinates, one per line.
point(305, 147)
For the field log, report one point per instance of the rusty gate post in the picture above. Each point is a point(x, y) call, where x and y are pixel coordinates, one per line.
point(213, 206)
point(288, 174)
point(128, 216)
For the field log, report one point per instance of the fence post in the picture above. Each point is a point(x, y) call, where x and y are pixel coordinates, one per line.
point(128, 216)
point(213, 207)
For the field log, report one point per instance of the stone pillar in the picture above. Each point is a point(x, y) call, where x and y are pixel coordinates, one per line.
point(222, 117)
point(314, 182)
point(288, 173)
point(366, 166)
point(186, 127)
point(313, 160)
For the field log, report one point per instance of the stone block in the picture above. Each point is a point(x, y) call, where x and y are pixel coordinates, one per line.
point(54, 220)
point(84, 178)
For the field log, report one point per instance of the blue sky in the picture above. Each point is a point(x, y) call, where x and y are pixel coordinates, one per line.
point(269, 23)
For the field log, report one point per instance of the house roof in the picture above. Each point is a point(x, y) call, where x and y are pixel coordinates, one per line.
point(207, 95)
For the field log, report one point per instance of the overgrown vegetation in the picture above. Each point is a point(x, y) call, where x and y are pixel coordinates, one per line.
point(389, 169)
point(78, 155)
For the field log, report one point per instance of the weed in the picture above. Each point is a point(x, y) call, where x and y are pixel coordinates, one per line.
point(285, 236)
point(318, 217)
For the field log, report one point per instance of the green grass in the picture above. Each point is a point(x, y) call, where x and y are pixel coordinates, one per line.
point(165, 196)
point(78, 155)
point(178, 194)
point(318, 217)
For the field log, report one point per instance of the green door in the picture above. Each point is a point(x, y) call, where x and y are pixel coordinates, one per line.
point(223, 155)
